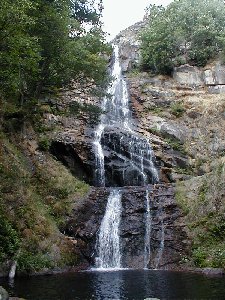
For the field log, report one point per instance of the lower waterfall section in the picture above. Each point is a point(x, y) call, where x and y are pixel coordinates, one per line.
point(108, 242)
point(161, 244)
point(147, 248)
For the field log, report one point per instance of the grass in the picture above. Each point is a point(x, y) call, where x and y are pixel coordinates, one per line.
point(35, 199)
point(177, 109)
point(204, 209)
point(176, 145)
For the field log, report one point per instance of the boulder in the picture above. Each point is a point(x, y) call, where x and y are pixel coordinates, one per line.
point(188, 75)
point(3, 294)
point(129, 44)
point(169, 130)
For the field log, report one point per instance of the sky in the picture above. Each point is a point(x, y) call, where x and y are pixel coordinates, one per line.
point(120, 14)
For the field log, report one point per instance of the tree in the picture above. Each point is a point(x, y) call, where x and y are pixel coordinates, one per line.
point(187, 31)
point(44, 44)
point(19, 51)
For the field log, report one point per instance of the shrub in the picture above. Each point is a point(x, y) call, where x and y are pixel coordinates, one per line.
point(187, 31)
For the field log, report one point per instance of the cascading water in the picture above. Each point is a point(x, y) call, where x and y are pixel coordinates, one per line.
point(131, 164)
point(147, 250)
point(108, 241)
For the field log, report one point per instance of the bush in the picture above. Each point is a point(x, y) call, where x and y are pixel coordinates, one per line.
point(199, 257)
point(28, 261)
point(177, 109)
point(44, 144)
point(9, 239)
point(187, 31)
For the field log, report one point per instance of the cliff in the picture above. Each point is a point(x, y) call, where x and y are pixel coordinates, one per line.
point(183, 115)
point(47, 167)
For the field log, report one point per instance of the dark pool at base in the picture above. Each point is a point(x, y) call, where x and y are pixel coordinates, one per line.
point(126, 284)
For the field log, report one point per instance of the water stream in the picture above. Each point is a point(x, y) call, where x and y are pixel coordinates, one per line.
point(147, 250)
point(131, 164)
point(109, 256)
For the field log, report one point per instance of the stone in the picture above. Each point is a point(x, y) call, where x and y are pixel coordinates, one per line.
point(3, 294)
point(193, 114)
point(213, 271)
point(129, 45)
point(169, 130)
point(188, 75)
point(16, 298)
point(209, 78)
point(220, 74)
point(133, 226)
point(216, 89)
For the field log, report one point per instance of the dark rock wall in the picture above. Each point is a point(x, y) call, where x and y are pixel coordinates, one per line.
point(85, 224)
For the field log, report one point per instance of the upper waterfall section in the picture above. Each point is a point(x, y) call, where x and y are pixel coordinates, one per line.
point(122, 157)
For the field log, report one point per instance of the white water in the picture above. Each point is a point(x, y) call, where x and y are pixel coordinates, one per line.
point(109, 241)
point(147, 249)
point(99, 156)
point(117, 116)
point(117, 113)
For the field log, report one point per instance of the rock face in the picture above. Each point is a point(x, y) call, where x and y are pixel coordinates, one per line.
point(211, 76)
point(168, 238)
point(3, 294)
point(129, 44)
point(126, 156)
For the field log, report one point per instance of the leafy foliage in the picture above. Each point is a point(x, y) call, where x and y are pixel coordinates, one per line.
point(9, 240)
point(46, 44)
point(187, 31)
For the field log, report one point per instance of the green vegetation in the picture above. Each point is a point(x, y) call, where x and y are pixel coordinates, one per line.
point(176, 145)
point(45, 44)
point(204, 209)
point(177, 109)
point(92, 111)
point(187, 31)
point(35, 199)
point(9, 240)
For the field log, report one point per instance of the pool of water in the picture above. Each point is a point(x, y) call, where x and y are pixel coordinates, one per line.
point(122, 284)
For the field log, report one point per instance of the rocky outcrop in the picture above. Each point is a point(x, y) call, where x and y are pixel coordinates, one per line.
point(129, 44)
point(168, 238)
point(76, 154)
point(3, 294)
point(127, 156)
point(212, 76)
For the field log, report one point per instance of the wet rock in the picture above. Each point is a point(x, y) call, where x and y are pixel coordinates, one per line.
point(127, 156)
point(83, 227)
point(213, 271)
point(165, 215)
point(3, 294)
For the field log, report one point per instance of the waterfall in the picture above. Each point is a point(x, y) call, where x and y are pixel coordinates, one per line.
point(99, 157)
point(147, 249)
point(108, 241)
point(134, 161)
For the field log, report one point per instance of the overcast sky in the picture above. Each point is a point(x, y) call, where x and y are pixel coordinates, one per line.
point(120, 14)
